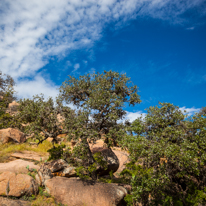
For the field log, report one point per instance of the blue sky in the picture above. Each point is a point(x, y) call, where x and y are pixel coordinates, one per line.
point(160, 44)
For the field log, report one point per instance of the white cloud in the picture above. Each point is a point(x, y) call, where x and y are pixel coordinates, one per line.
point(190, 28)
point(68, 63)
point(76, 66)
point(131, 116)
point(189, 111)
point(29, 88)
point(33, 31)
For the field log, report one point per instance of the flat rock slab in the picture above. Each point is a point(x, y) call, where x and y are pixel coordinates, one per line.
point(17, 166)
point(30, 156)
point(9, 202)
point(74, 192)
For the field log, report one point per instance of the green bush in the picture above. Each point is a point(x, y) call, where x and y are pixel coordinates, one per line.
point(56, 152)
point(168, 159)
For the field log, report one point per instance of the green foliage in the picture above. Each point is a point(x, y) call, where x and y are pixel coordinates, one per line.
point(168, 157)
point(40, 117)
point(6, 97)
point(28, 198)
point(78, 158)
point(56, 152)
point(84, 168)
point(6, 89)
point(100, 161)
point(167, 148)
point(32, 172)
point(82, 172)
point(5, 120)
point(100, 99)
point(42, 192)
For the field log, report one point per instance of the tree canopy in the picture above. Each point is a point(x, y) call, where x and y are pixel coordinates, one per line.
point(6, 96)
point(41, 117)
point(101, 97)
point(166, 147)
point(168, 157)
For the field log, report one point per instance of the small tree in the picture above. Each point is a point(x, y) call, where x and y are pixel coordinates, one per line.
point(168, 164)
point(6, 96)
point(6, 87)
point(100, 99)
point(40, 117)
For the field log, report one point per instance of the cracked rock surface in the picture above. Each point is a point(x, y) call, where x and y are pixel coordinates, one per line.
point(54, 168)
point(75, 192)
point(17, 185)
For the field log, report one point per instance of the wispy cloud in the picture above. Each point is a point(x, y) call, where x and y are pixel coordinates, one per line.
point(190, 28)
point(195, 77)
point(68, 63)
point(33, 31)
point(189, 111)
point(92, 71)
point(76, 67)
point(131, 116)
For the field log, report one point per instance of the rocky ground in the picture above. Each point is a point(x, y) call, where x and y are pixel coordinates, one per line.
point(27, 179)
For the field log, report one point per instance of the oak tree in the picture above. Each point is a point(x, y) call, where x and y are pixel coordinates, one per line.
point(99, 99)
point(40, 117)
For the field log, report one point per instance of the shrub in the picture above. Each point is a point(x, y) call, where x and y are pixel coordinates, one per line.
point(168, 164)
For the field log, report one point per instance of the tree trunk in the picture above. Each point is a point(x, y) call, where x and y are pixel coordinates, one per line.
point(90, 158)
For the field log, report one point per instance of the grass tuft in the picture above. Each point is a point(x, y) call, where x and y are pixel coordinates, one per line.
point(7, 149)
point(43, 201)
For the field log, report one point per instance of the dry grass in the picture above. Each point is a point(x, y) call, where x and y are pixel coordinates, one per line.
point(7, 149)
point(43, 201)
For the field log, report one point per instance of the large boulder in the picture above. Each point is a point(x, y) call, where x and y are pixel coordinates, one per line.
point(108, 156)
point(17, 166)
point(42, 175)
point(17, 185)
point(75, 192)
point(98, 143)
point(123, 157)
point(11, 134)
point(55, 165)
